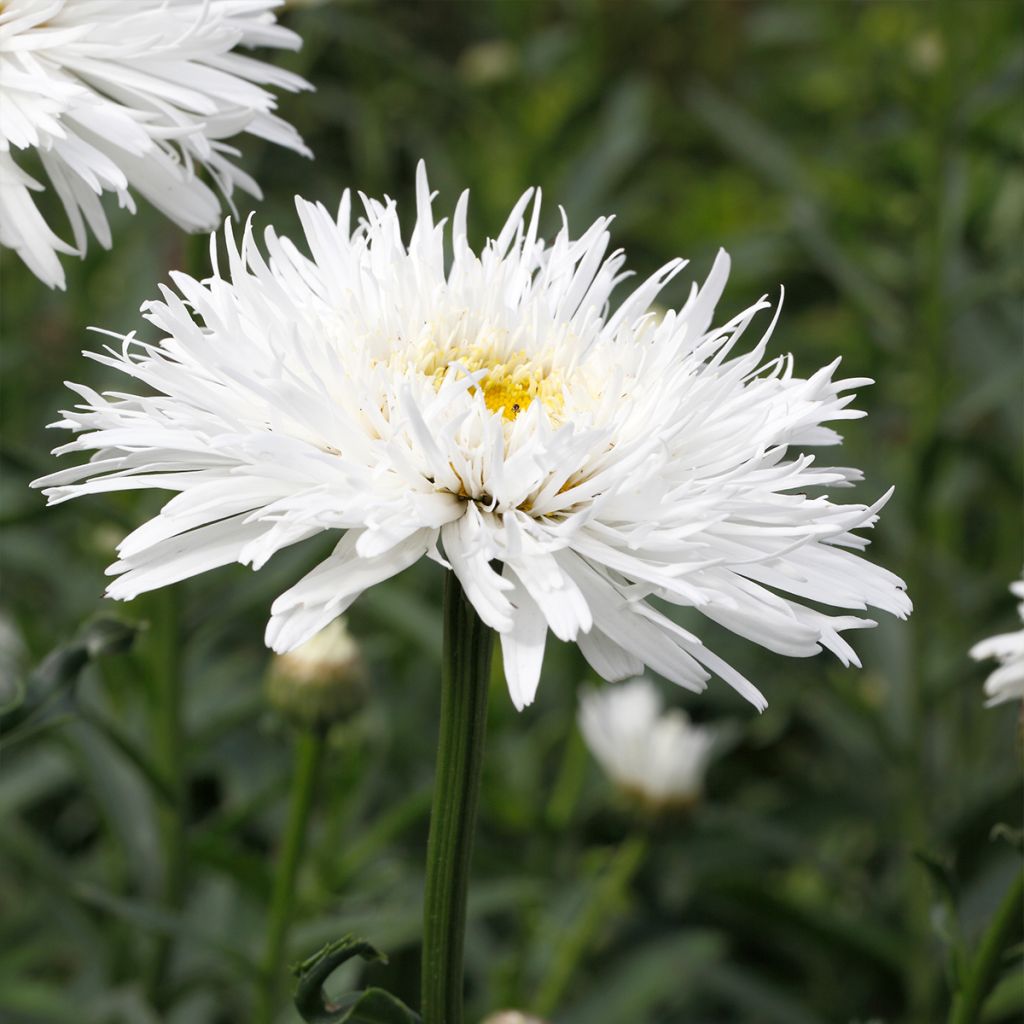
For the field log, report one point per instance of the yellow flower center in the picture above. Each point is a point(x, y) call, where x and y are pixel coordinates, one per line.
point(511, 383)
point(511, 386)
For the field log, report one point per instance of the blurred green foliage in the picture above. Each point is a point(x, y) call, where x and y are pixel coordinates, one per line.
point(866, 155)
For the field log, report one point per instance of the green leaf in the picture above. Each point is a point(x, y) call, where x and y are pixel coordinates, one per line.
point(946, 921)
point(769, 154)
point(149, 918)
point(131, 752)
point(372, 1006)
point(755, 998)
point(941, 874)
point(662, 973)
point(1006, 1001)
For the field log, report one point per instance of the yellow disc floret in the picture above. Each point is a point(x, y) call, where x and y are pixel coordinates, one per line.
point(511, 382)
point(511, 386)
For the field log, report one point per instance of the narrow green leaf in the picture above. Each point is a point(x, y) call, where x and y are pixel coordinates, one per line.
point(158, 921)
point(373, 1006)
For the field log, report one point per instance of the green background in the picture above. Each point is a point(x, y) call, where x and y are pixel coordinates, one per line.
point(868, 156)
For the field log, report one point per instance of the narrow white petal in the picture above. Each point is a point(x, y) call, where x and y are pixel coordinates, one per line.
point(329, 589)
point(608, 659)
point(522, 646)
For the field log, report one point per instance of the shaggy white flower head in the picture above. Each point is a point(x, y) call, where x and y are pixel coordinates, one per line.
point(1007, 681)
point(655, 756)
point(573, 461)
point(130, 95)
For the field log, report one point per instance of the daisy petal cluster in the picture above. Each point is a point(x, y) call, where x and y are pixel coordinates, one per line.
point(1007, 681)
point(581, 468)
point(130, 96)
point(654, 756)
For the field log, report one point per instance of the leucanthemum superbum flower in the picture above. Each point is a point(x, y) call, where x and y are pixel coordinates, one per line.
point(1007, 681)
point(654, 756)
point(574, 463)
point(130, 96)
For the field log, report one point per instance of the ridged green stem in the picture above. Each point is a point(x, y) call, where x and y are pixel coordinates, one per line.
point(460, 747)
point(981, 972)
point(309, 749)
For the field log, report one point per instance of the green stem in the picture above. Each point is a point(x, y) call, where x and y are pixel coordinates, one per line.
point(169, 750)
point(982, 971)
point(572, 948)
point(929, 359)
point(460, 746)
point(308, 755)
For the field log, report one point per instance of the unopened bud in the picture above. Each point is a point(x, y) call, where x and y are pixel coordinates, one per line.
point(321, 682)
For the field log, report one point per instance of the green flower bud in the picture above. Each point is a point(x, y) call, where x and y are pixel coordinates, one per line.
point(321, 682)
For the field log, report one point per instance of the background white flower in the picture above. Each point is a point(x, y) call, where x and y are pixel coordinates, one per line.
point(123, 95)
point(657, 757)
point(498, 406)
point(1007, 681)
point(511, 1017)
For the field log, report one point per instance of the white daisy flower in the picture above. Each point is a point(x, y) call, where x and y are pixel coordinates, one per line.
point(573, 462)
point(116, 96)
point(657, 757)
point(1007, 681)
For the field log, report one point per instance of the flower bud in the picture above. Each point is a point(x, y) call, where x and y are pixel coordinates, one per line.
point(321, 682)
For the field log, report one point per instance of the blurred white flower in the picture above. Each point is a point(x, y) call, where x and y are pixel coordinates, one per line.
point(1007, 681)
point(493, 403)
point(657, 757)
point(511, 1017)
point(121, 95)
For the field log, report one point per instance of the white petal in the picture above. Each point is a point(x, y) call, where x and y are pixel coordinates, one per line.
point(328, 590)
point(522, 647)
point(180, 557)
point(608, 659)
point(469, 550)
